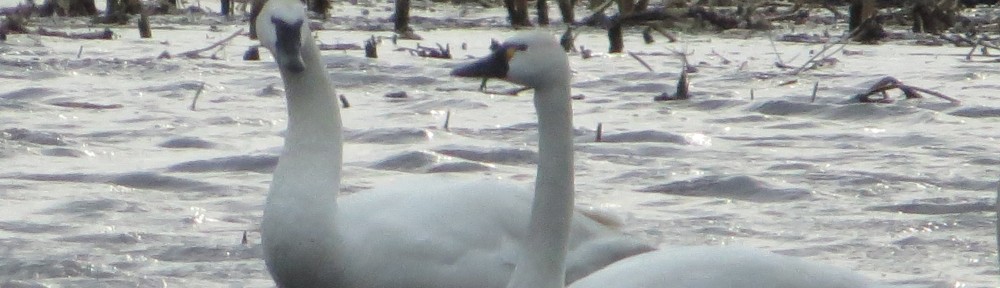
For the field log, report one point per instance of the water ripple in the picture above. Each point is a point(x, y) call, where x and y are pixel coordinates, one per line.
point(733, 187)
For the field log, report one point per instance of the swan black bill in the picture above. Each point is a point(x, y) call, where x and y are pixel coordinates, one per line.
point(289, 44)
point(492, 66)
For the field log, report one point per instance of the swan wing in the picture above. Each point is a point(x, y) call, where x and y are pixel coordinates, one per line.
point(465, 233)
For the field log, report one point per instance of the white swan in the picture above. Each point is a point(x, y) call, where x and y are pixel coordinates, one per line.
point(518, 60)
point(423, 233)
point(535, 59)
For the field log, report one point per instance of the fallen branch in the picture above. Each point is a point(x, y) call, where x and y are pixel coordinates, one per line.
point(441, 52)
point(889, 83)
point(340, 47)
point(86, 105)
point(659, 29)
point(195, 53)
point(644, 64)
point(99, 35)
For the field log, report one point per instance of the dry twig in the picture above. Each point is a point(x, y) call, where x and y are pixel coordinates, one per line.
point(195, 53)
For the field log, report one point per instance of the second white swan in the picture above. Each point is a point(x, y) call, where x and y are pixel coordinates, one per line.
point(536, 60)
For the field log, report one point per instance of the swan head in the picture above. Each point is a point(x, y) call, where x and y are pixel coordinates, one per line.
point(531, 59)
point(282, 28)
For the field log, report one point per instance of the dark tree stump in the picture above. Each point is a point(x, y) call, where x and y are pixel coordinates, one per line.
point(144, 30)
point(543, 12)
point(255, 8)
point(859, 11)
point(566, 9)
point(118, 11)
point(615, 37)
point(517, 12)
point(319, 6)
point(402, 16)
point(930, 18)
point(68, 8)
point(227, 7)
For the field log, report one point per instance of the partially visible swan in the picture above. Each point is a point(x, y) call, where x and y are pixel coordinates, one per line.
point(421, 233)
point(537, 61)
point(534, 59)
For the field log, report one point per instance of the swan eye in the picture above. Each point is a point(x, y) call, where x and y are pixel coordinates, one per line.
point(511, 50)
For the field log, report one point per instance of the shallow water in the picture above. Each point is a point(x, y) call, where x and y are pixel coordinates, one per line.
point(139, 190)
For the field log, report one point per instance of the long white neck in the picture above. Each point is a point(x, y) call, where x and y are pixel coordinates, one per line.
point(542, 261)
point(299, 228)
point(311, 160)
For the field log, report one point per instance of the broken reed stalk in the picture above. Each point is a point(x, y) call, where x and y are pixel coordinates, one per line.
point(682, 83)
point(815, 87)
point(973, 50)
point(600, 131)
point(775, 48)
point(370, 49)
point(196, 94)
point(567, 38)
point(647, 35)
point(804, 66)
point(343, 101)
point(842, 42)
point(447, 120)
point(644, 64)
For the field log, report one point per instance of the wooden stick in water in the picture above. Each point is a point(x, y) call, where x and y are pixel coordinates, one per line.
point(196, 94)
point(815, 87)
point(600, 130)
point(644, 64)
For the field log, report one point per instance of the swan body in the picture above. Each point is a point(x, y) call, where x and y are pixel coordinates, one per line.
point(719, 267)
point(535, 59)
point(422, 233)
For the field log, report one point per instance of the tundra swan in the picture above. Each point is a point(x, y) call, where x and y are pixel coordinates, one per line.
point(422, 233)
point(536, 60)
